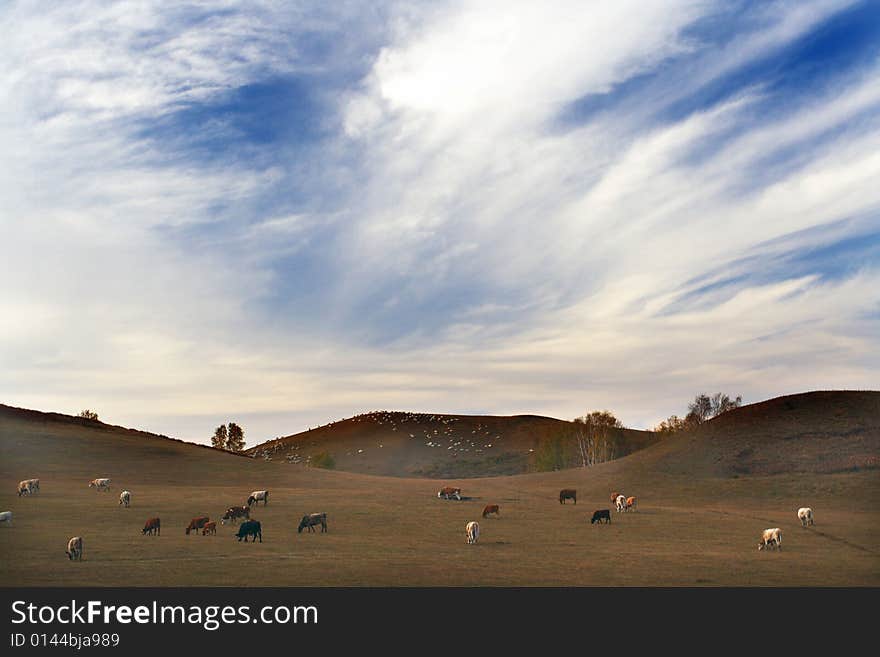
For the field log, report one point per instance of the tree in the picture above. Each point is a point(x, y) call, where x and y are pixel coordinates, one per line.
point(700, 410)
point(673, 424)
point(220, 437)
point(89, 415)
point(722, 403)
point(595, 443)
point(550, 454)
point(235, 438)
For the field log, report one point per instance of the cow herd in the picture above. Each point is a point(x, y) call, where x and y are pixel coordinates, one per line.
point(249, 528)
point(771, 538)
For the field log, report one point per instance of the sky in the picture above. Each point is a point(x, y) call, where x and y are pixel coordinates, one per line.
point(286, 213)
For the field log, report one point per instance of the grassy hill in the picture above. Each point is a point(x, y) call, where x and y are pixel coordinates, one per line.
point(402, 444)
point(697, 523)
point(814, 432)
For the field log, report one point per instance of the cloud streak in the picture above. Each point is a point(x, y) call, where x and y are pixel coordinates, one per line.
point(472, 207)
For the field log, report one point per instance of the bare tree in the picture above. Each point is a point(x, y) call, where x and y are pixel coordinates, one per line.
point(88, 414)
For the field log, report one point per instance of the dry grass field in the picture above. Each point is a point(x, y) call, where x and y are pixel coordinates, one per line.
point(697, 523)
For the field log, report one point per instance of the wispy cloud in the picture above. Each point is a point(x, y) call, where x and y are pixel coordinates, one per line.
point(243, 211)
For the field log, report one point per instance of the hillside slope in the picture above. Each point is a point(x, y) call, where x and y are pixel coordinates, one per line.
point(818, 432)
point(692, 527)
point(401, 444)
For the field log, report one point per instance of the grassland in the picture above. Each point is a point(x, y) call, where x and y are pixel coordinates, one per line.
point(693, 526)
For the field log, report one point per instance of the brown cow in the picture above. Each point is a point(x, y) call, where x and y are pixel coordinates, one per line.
point(631, 503)
point(152, 526)
point(614, 497)
point(448, 491)
point(197, 523)
point(568, 494)
point(491, 508)
point(209, 528)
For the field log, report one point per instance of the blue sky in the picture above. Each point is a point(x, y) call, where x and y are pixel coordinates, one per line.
point(283, 214)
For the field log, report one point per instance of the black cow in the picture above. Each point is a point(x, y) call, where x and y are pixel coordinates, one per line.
point(568, 494)
point(250, 528)
point(601, 514)
point(311, 520)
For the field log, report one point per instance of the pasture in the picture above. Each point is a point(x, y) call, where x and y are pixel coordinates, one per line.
point(689, 530)
point(399, 534)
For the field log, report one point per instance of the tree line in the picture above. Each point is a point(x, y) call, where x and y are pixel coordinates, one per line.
point(596, 437)
point(700, 410)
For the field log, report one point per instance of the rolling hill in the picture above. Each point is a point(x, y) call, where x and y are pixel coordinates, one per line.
point(813, 432)
point(402, 444)
point(702, 506)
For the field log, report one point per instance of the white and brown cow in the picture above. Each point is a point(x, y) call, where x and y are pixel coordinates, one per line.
point(102, 484)
point(258, 496)
point(805, 515)
point(75, 548)
point(472, 532)
point(448, 492)
point(771, 538)
point(125, 498)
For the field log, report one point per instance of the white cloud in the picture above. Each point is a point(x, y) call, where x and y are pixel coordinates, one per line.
point(516, 265)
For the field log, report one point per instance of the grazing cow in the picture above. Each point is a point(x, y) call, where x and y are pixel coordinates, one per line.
point(472, 532)
point(74, 550)
point(805, 515)
point(209, 528)
point(152, 525)
point(309, 521)
point(196, 524)
point(102, 484)
point(234, 512)
point(491, 508)
point(771, 538)
point(630, 503)
point(28, 487)
point(568, 494)
point(250, 528)
point(620, 503)
point(448, 492)
point(125, 498)
point(600, 515)
point(257, 496)
point(6, 517)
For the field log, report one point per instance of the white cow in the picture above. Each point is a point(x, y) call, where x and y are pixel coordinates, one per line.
point(805, 515)
point(101, 484)
point(620, 503)
point(258, 495)
point(75, 548)
point(472, 532)
point(6, 517)
point(771, 538)
point(26, 487)
point(125, 498)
